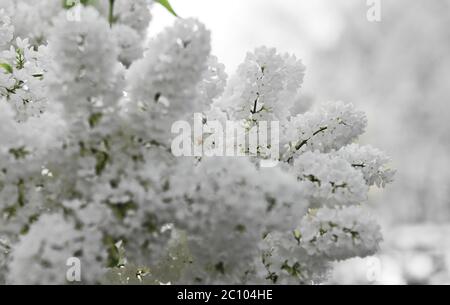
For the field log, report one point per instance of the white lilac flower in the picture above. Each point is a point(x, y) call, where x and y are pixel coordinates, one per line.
point(329, 127)
point(164, 82)
point(213, 82)
point(221, 220)
point(330, 180)
point(261, 84)
point(172, 68)
point(135, 14)
point(84, 66)
point(6, 29)
point(24, 149)
point(237, 204)
point(303, 255)
point(339, 233)
point(40, 256)
point(283, 261)
point(6, 82)
point(372, 162)
point(32, 19)
point(129, 42)
point(21, 81)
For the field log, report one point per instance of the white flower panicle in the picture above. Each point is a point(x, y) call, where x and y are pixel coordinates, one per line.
point(339, 233)
point(129, 43)
point(330, 180)
point(164, 82)
point(40, 256)
point(22, 71)
point(129, 21)
point(261, 84)
point(84, 66)
point(6, 29)
point(283, 261)
point(372, 162)
point(223, 233)
point(135, 14)
point(32, 19)
point(302, 256)
point(167, 75)
point(213, 82)
point(331, 126)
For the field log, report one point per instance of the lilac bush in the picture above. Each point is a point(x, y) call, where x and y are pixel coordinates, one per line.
point(86, 169)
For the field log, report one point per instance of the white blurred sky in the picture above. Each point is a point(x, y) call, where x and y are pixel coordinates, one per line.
point(238, 26)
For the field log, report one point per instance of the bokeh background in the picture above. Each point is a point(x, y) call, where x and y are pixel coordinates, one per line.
point(398, 71)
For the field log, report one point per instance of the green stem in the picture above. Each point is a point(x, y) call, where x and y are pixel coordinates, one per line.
point(111, 12)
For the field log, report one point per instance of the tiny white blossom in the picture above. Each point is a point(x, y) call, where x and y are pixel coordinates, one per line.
point(329, 127)
point(265, 80)
point(129, 42)
point(372, 162)
point(40, 256)
point(21, 79)
point(339, 233)
point(6, 29)
point(84, 67)
point(330, 180)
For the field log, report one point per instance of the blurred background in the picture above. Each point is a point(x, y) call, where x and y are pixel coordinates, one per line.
point(398, 71)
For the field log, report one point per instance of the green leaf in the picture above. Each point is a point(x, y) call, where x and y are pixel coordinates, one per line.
point(102, 160)
point(68, 4)
point(111, 17)
point(94, 119)
point(167, 5)
point(8, 68)
point(19, 153)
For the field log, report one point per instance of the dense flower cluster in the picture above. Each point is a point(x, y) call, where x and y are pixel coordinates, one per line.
point(32, 19)
point(265, 81)
point(155, 81)
point(40, 256)
point(187, 44)
point(94, 178)
point(339, 233)
point(329, 127)
point(330, 179)
point(327, 234)
point(84, 60)
point(372, 162)
point(6, 29)
point(129, 43)
point(22, 70)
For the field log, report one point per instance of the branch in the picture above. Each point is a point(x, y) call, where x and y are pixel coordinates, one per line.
point(302, 143)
